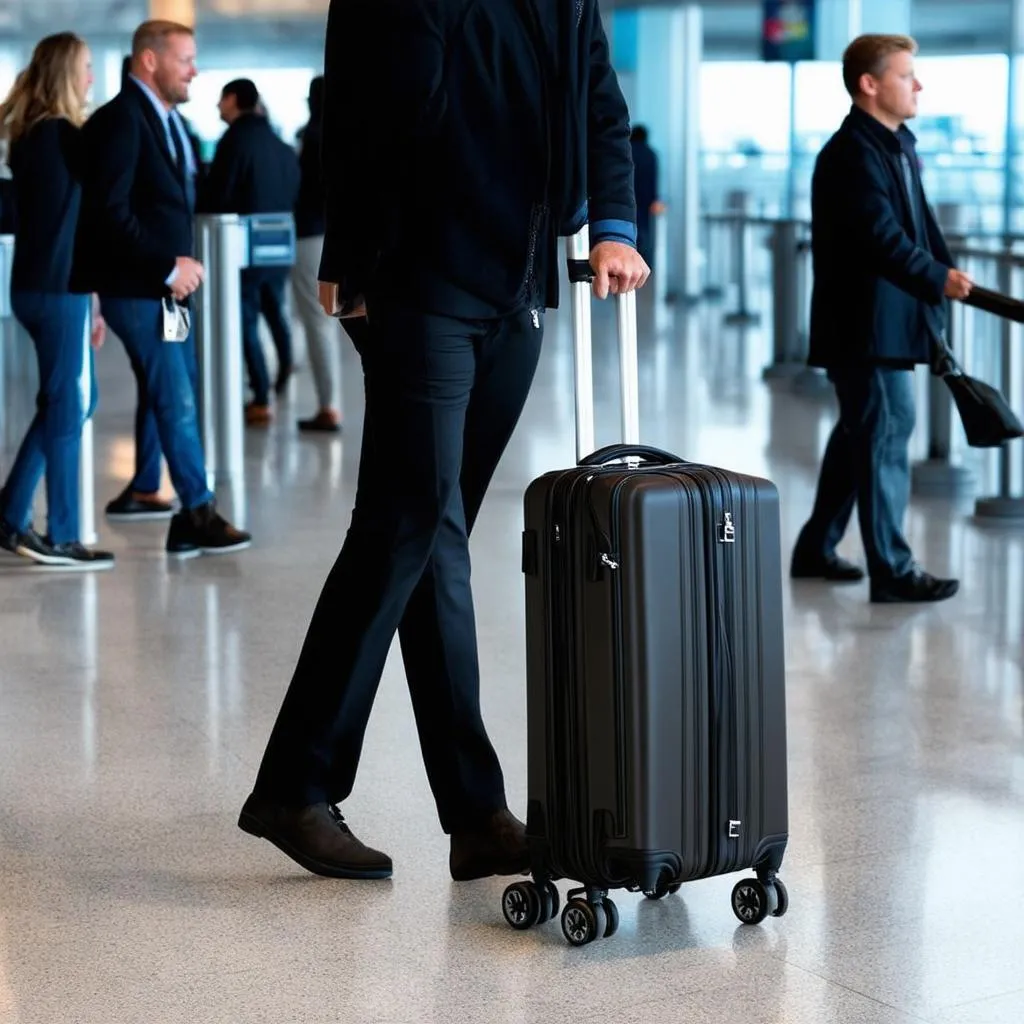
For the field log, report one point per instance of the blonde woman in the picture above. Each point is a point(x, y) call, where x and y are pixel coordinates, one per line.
point(40, 120)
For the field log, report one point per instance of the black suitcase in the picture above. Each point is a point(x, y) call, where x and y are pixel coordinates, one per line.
point(655, 671)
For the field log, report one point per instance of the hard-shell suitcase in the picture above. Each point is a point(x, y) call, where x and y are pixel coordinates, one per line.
point(655, 672)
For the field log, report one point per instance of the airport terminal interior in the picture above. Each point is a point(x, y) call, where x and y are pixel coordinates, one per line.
point(135, 704)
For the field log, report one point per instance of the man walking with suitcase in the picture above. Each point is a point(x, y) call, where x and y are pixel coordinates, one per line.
point(460, 140)
point(881, 273)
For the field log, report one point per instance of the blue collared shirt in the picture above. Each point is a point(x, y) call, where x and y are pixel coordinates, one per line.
point(167, 119)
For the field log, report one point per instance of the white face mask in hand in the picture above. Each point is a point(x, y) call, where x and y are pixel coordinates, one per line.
point(177, 320)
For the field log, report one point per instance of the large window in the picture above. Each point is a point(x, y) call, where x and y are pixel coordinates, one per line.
point(745, 140)
point(961, 129)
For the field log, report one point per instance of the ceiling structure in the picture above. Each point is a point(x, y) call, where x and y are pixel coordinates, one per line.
point(732, 27)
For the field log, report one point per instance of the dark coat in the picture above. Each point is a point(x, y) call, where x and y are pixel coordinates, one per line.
point(459, 139)
point(253, 171)
point(136, 215)
point(878, 288)
point(309, 207)
point(45, 163)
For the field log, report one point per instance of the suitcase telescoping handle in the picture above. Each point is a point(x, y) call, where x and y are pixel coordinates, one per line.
point(580, 277)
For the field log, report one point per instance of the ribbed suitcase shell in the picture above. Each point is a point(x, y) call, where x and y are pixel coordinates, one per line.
point(655, 675)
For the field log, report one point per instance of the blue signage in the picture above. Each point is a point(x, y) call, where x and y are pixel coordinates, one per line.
point(788, 30)
point(271, 240)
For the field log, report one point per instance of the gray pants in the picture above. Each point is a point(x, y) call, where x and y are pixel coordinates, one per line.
point(866, 463)
point(323, 337)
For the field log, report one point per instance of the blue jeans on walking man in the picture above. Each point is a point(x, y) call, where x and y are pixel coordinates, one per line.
point(167, 419)
point(867, 463)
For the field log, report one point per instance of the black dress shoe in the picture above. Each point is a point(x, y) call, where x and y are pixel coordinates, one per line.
point(128, 508)
point(916, 586)
point(316, 837)
point(498, 848)
point(833, 568)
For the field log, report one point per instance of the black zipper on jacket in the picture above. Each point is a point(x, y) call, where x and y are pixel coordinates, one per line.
point(548, 82)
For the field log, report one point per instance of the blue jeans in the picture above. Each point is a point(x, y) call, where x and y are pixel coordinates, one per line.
point(866, 463)
point(56, 324)
point(166, 374)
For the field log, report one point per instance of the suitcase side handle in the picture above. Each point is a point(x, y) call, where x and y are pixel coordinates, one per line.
point(614, 452)
point(580, 276)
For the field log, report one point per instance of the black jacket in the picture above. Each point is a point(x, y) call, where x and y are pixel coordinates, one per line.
point(878, 288)
point(253, 171)
point(136, 217)
point(460, 138)
point(45, 165)
point(309, 207)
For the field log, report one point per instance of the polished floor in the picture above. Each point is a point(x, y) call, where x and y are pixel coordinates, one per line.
point(134, 706)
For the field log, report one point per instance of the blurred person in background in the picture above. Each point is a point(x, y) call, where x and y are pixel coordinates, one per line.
point(41, 119)
point(322, 334)
point(256, 171)
point(645, 184)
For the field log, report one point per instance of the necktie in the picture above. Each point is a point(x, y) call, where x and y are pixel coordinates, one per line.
point(182, 163)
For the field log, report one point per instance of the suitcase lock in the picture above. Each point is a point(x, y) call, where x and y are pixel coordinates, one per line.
point(727, 530)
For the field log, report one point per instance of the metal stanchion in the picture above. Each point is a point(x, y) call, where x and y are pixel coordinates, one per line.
point(86, 458)
point(715, 271)
point(787, 360)
point(1008, 505)
point(739, 206)
point(223, 244)
point(811, 381)
point(205, 328)
point(938, 475)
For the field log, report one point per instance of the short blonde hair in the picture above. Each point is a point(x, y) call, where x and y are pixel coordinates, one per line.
point(153, 35)
point(868, 55)
point(46, 88)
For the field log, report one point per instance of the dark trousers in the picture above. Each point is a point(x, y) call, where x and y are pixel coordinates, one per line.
point(442, 399)
point(263, 293)
point(867, 463)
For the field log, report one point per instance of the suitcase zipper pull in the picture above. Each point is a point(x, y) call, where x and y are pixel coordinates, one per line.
point(608, 561)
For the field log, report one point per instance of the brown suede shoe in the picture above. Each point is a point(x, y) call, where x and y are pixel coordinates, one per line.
point(316, 837)
point(500, 848)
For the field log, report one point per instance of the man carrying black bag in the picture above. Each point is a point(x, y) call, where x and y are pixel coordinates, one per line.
point(460, 139)
point(881, 273)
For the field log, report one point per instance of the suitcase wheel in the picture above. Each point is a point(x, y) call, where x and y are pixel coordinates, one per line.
point(783, 895)
point(612, 913)
point(523, 905)
point(585, 919)
point(662, 889)
point(753, 900)
point(582, 922)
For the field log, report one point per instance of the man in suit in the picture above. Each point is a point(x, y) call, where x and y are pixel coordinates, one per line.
point(447, 190)
point(645, 183)
point(882, 271)
point(133, 248)
point(255, 171)
point(141, 500)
